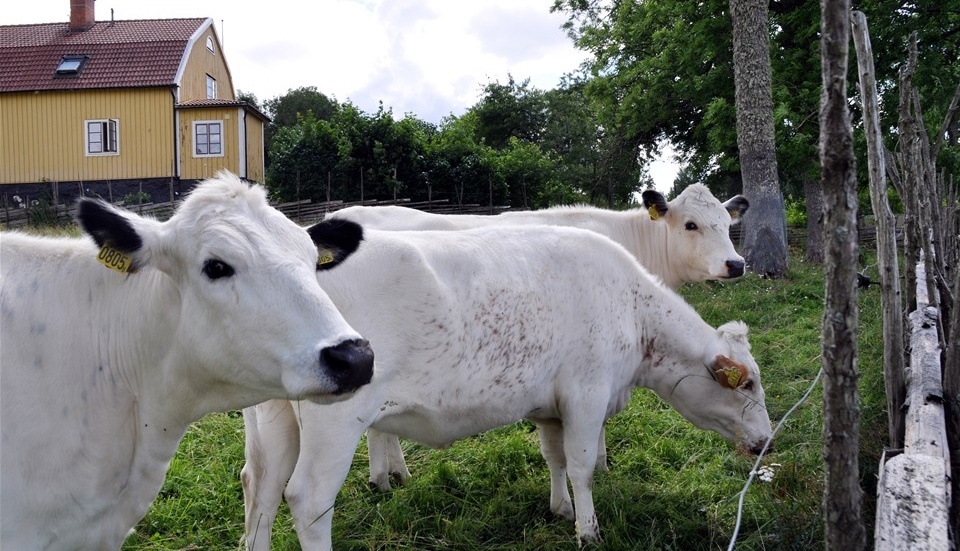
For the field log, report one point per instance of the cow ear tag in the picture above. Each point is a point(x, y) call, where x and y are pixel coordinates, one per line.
point(731, 374)
point(728, 373)
point(326, 257)
point(115, 259)
point(654, 213)
point(735, 214)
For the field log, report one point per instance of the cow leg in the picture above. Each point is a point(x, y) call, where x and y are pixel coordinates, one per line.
point(551, 447)
point(328, 440)
point(272, 445)
point(602, 451)
point(580, 441)
point(386, 459)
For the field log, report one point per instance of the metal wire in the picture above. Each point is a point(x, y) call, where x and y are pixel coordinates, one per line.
point(766, 446)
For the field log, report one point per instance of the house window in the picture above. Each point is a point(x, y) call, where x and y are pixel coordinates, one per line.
point(211, 87)
point(210, 44)
point(208, 139)
point(70, 65)
point(102, 137)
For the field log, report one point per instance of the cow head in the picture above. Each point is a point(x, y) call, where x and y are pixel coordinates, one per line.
point(727, 397)
point(698, 232)
point(238, 283)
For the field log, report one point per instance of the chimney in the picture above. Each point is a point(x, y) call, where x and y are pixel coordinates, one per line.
point(81, 15)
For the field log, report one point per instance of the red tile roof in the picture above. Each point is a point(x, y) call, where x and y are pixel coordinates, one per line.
point(120, 54)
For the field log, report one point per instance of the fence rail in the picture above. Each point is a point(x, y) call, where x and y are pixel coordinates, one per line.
point(913, 493)
point(303, 212)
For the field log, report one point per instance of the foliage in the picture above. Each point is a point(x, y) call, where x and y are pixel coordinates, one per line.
point(671, 486)
point(663, 71)
point(796, 212)
point(519, 146)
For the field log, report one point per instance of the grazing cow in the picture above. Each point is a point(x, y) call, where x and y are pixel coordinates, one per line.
point(113, 345)
point(476, 329)
point(684, 241)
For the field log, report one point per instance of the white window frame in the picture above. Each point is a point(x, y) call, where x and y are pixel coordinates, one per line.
point(210, 44)
point(202, 129)
point(101, 137)
point(211, 87)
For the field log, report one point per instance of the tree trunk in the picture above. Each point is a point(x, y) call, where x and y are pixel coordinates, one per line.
point(813, 196)
point(892, 302)
point(841, 409)
point(765, 235)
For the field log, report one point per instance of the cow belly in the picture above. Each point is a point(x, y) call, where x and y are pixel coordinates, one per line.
point(440, 424)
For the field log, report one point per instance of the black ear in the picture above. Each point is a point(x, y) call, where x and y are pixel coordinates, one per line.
point(737, 206)
point(336, 239)
point(107, 226)
point(654, 199)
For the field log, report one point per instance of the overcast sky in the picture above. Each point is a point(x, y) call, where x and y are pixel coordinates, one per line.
point(426, 57)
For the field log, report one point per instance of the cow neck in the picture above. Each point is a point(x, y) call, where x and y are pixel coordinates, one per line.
point(648, 241)
point(672, 335)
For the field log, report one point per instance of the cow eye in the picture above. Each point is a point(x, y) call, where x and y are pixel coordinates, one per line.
point(215, 269)
point(691, 226)
point(748, 386)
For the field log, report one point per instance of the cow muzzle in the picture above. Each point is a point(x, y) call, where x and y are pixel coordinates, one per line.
point(349, 363)
point(756, 448)
point(734, 268)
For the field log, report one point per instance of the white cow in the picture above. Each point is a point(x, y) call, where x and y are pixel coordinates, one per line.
point(476, 329)
point(103, 369)
point(682, 241)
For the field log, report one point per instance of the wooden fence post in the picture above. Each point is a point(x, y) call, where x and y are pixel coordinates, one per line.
point(892, 303)
point(843, 498)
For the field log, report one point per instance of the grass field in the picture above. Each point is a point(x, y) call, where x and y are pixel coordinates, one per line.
point(670, 486)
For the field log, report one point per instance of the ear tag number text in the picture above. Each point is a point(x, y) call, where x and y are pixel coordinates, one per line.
point(115, 260)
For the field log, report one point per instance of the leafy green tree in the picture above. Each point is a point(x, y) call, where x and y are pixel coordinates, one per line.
point(524, 175)
point(509, 110)
point(286, 110)
point(305, 157)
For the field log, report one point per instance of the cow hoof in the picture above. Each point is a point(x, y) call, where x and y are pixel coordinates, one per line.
point(381, 485)
point(400, 479)
point(564, 511)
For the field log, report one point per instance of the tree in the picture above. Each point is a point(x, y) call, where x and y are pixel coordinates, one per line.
point(765, 236)
point(509, 111)
point(286, 110)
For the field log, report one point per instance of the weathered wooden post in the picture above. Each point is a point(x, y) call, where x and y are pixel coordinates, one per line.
point(843, 497)
point(891, 300)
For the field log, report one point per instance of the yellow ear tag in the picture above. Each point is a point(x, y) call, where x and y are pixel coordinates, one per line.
point(654, 213)
point(115, 259)
point(326, 257)
point(732, 375)
point(735, 214)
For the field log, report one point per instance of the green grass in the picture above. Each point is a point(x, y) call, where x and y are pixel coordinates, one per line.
point(670, 487)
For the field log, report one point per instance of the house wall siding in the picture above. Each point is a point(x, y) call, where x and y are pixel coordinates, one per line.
point(42, 137)
point(198, 168)
point(255, 144)
point(200, 63)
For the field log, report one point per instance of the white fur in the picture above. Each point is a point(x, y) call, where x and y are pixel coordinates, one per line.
point(476, 329)
point(103, 372)
point(665, 247)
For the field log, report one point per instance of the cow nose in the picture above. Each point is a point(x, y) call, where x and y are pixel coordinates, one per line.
point(734, 268)
point(757, 448)
point(350, 364)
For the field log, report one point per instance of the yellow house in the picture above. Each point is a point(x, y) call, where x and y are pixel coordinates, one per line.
point(120, 107)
